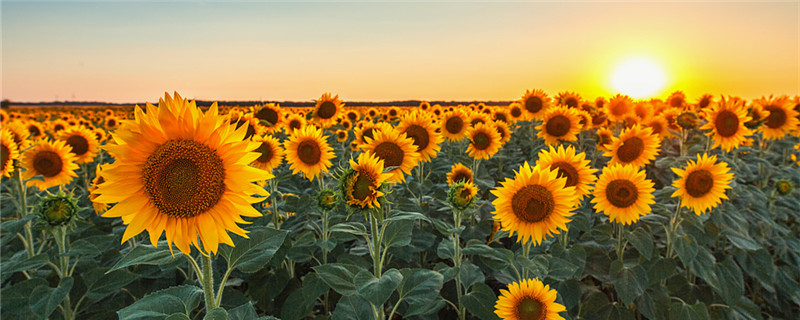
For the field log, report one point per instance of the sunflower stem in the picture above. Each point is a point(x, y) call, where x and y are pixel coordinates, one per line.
point(526, 252)
point(23, 204)
point(208, 283)
point(457, 257)
point(673, 226)
point(377, 261)
point(620, 244)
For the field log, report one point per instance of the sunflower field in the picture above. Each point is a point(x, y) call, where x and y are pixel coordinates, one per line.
point(550, 207)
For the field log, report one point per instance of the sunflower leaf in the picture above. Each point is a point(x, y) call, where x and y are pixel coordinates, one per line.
point(250, 255)
point(146, 254)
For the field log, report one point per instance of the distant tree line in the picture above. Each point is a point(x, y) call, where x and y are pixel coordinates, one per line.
point(206, 103)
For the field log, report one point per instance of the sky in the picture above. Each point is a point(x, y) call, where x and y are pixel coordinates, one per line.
point(121, 52)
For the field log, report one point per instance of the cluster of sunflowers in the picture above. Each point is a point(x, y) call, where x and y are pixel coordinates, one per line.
point(192, 174)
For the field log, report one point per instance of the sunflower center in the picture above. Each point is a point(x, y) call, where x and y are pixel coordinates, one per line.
point(111, 123)
point(309, 152)
point(532, 203)
point(777, 117)
point(47, 163)
point(362, 187)
point(341, 135)
point(79, 144)
point(622, 193)
point(465, 193)
point(352, 116)
point(419, 135)
point(630, 149)
point(390, 153)
point(34, 131)
point(657, 127)
point(481, 141)
point(326, 110)
point(475, 121)
point(267, 114)
point(566, 170)
point(4, 152)
point(533, 104)
point(571, 102)
point(184, 178)
point(727, 123)
point(699, 183)
point(266, 152)
point(516, 112)
point(454, 124)
point(558, 126)
point(531, 309)
point(295, 124)
point(368, 133)
point(500, 117)
point(462, 176)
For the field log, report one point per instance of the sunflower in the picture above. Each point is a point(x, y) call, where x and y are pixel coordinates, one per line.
point(568, 99)
point(181, 172)
point(477, 117)
point(244, 120)
point(346, 124)
point(484, 141)
point(82, 141)
point(419, 127)
point(99, 207)
point(618, 107)
point(636, 146)
point(530, 299)
point(308, 152)
point(781, 118)
point(361, 185)
point(396, 150)
point(51, 159)
point(35, 129)
point(458, 172)
point(500, 115)
point(454, 125)
point(270, 153)
point(4, 117)
point(8, 152)
point(726, 124)
point(111, 122)
point(326, 110)
point(504, 130)
point(604, 139)
point(623, 193)
point(702, 185)
point(461, 195)
point(515, 111)
point(20, 134)
point(705, 101)
point(560, 124)
point(677, 100)
point(99, 135)
point(535, 103)
point(574, 167)
point(293, 122)
point(268, 117)
point(535, 204)
point(352, 115)
point(659, 126)
point(643, 111)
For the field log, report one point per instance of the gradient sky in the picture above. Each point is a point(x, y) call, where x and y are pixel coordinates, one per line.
point(133, 52)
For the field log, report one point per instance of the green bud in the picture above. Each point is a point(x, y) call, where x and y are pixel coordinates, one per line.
point(57, 210)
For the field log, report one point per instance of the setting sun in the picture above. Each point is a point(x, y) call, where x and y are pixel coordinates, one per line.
point(638, 78)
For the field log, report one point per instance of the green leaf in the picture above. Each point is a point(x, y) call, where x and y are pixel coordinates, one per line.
point(445, 249)
point(629, 283)
point(147, 254)
point(398, 233)
point(244, 312)
point(339, 277)
point(421, 309)
point(354, 228)
point(32, 263)
point(682, 311)
point(313, 287)
point(470, 274)
point(406, 216)
point(100, 284)
point(539, 265)
point(295, 306)
point(160, 304)
point(419, 285)
point(44, 300)
point(375, 290)
point(728, 281)
point(14, 299)
point(352, 308)
point(561, 269)
point(250, 255)
point(216, 314)
point(686, 248)
point(642, 241)
point(178, 316)
point(480, 301)
point(759, 264)
point(82, 247)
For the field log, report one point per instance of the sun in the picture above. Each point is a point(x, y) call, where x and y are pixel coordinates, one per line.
point(638, 78)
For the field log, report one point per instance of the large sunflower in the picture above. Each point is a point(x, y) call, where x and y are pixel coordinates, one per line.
point(181, 172)
point(702, 185)
point(781, 117)
point(454, 125)
point(308, 152)
point(419, 127)
point(82, 141)
point(51, 159)
point(726, 124)
point(327, 109)
point(269, 117)
point(570, 165)
point(270, 153)
point(484, 141)
point(535, 103)
point(361, 185)
point(636, 146)
point(8, 152)
point(529, 299)
point(535, 204)
point(560, 124)
point(623, 193)
point(396, 150)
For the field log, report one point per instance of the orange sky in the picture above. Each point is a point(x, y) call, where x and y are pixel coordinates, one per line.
point(126, 52)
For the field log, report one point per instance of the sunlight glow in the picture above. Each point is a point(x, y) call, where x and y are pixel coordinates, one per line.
point(638, 78)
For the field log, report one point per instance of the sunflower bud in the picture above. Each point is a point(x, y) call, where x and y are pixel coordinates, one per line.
point(461, 195)
point(784, 187)
point(326, 199)
point(687, 120)
point(57, 210)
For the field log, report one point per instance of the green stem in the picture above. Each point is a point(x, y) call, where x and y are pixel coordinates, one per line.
point(376, 246)
point(673, 226)
point(23, 203)
point(222, 286)
point(457, 257)
point(620, 244)
point(208, 283)
point(526, 252)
